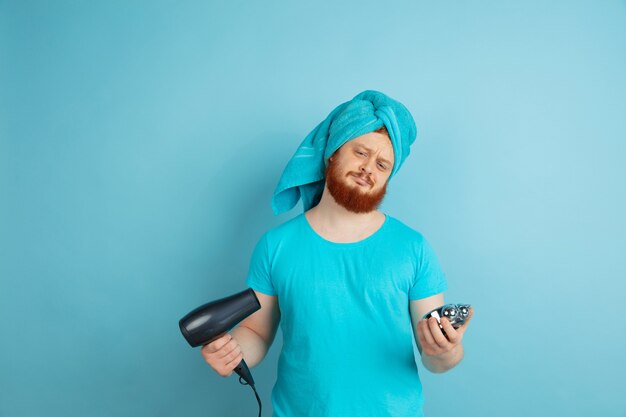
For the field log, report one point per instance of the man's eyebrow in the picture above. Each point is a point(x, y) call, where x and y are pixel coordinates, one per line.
point(369, 150)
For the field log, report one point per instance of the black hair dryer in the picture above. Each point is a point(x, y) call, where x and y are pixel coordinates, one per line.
point(210, 321)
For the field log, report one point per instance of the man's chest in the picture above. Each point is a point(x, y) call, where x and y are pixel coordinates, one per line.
point(315, 271)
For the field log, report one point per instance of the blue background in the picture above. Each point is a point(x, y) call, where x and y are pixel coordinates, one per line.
point(140, 143)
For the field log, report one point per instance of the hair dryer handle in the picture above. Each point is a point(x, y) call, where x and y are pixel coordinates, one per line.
point(244, 373)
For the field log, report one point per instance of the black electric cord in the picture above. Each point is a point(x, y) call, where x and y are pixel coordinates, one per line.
point(256, 394)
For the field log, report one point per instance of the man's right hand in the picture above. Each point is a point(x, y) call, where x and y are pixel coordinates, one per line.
point(223, 354)
point(253, 335)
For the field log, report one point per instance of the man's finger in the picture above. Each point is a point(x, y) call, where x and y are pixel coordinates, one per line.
point(228, 348)
point(428, 337)
point(219, 343)
point(438, 336)
point(233, 364)
point(451, 333)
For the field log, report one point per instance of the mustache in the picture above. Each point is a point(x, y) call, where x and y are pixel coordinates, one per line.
point(364, 177)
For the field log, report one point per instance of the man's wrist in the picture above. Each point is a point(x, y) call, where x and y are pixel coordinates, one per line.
point(443, 361)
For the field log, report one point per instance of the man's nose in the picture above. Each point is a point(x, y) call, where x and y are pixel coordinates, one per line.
point(366, 169)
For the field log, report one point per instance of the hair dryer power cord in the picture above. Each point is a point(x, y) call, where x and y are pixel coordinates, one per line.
point(256, 394)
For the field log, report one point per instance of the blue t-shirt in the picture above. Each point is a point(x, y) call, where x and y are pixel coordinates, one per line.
point(347, 334)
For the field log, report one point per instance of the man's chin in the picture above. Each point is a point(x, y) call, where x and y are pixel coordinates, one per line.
point(358, 200)
point(363, 190)
point(358, 209)
point(349, 194)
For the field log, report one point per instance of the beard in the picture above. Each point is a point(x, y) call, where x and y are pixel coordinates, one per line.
point(349, 196)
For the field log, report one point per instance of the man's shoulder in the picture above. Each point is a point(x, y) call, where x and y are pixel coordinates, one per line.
point(400, 227)
point(286, 228)
point(287, 225)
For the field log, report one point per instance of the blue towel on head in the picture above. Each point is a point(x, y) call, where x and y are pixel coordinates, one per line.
point(368, 111)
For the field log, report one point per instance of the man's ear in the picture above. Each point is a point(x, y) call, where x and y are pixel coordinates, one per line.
point(331, 158)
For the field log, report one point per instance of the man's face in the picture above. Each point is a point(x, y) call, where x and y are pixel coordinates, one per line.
point(357, 173)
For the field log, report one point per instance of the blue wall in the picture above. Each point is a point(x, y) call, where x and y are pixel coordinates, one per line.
point(140, 143)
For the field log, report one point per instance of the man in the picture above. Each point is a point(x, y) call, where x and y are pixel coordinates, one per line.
point(347, 283)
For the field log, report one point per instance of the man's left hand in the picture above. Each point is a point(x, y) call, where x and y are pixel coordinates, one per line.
point(433, 341)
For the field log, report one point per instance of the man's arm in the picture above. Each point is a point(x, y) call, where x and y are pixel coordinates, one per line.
point(250, 340)
point(256, 333)
point(439, 353)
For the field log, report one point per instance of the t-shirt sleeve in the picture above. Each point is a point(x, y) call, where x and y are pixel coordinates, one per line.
point(259, 277)
point(429, 277)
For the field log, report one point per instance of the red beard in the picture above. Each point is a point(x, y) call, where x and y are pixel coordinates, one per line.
point(352, 197)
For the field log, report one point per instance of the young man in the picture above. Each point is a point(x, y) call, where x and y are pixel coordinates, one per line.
point(347, 283)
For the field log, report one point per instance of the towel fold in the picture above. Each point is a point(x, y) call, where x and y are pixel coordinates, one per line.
point(303, 177)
